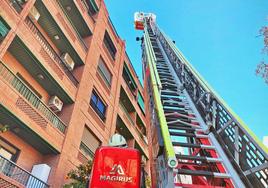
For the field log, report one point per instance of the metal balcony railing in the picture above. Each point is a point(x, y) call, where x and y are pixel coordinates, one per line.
point(126, 113)
point(48, 48)
point(31, 97)
point(11, 170)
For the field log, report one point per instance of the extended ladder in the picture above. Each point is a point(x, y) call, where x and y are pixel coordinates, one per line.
point(213, 148)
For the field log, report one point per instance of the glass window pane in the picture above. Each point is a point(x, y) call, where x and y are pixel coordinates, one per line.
point(101, 107)
point(94, 98)
point(98, 105)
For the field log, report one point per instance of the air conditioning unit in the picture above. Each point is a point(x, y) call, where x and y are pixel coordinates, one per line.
point(68, 61)
point(41, 171)
point(55, 104)
point(34, 14)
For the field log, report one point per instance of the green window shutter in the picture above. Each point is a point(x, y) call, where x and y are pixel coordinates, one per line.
point(141, 102)
point(3, 28)
point(94, 5)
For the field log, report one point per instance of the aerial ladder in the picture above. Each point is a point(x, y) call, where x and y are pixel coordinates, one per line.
point(196, 139)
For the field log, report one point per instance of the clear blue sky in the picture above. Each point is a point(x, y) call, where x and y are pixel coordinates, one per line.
point(218, 37)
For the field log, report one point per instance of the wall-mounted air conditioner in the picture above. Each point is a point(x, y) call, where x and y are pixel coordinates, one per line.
point(34, 14)
point(68, 61)
point(41, 171)
point(55, 104)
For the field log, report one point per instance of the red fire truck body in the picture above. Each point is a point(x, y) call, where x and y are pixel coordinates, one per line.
point(115, 167)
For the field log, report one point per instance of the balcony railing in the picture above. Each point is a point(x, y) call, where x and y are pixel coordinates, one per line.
point(129, 90)
point(48, 48)
point(126, 113)
point(31, 97)
point(77, 33)
point(11, 170)
point(132, 122)
point(17, 4)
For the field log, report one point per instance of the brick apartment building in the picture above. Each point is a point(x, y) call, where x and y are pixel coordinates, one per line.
point(66, 86)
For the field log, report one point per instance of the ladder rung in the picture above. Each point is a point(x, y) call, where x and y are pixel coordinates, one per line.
point(203, 173)
point(198, 158)
point(190, 145)
point(175, 127)
point(192, 124)
point(188, 134)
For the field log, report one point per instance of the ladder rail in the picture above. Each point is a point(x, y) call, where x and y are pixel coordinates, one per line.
point(159, 108)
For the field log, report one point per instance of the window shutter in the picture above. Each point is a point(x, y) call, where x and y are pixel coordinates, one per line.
point(90, 140)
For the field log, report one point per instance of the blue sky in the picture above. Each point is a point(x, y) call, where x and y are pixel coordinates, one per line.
point(218, 38)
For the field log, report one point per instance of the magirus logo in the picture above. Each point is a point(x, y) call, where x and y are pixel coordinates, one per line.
point(116, 174)
point(117, 169)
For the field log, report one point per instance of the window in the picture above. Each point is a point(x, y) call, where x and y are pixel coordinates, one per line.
point(8, 151)
point(141, 102)
point(109, 45)
point(104, 72)
point(98, 105)
point(89, 143)
point(4, 29)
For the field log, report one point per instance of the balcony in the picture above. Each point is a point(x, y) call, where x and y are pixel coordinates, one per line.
point(91, 7)
point(50, 51)
point(39, 64)
point(31, 98)
point(11, 171)
point(129, 132)
point(130, 82)
point(53, 26)
point(122, 107)
point(132, 123)
point(76, 20)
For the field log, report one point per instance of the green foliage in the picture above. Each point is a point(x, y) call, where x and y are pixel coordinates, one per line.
point(262, 68)
point(148, 182)
point(4, 128)
point(75, 184)
point(79, 176)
